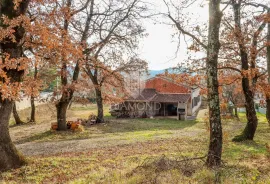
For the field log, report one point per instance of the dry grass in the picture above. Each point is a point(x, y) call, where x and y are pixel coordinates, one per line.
point(46, 112)
point(154, 146)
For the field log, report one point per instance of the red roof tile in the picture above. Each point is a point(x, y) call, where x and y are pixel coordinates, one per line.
point(163, 85)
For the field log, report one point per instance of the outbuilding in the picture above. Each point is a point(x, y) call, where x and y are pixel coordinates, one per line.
point(162, 97)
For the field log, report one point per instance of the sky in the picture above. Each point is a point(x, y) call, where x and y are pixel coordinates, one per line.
point(159, 48)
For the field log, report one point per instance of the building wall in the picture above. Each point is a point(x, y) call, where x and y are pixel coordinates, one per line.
point(183, 106)
point(164, 86)
point(137, 109)
point(196, 93)
point(189, 108)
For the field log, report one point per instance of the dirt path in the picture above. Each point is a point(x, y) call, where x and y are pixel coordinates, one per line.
point(67, 146)
point(79, 145)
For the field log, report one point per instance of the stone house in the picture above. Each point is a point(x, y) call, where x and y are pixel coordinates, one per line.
point(162, 97)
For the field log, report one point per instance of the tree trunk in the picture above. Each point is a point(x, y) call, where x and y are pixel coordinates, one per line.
point(100, 116)
point(17, 118)
point(9, 157)
point(268, 109)
point(33, 107)
point(61, 107)
point(33, 110)
point(215, 145)
point(268, 71)
point(70, 104)
point(236, 112)
point(252, 121)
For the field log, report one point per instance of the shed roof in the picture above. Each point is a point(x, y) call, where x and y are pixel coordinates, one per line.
point(183, 98)
point(151, 95)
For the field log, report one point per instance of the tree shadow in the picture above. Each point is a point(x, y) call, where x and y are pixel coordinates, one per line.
point(113, 125)
point(34, 137)
point(242, 173)
point(50, 135)
point(253, 144)
point(22, 124)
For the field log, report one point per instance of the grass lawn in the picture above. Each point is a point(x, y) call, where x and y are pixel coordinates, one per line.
point(139, 151)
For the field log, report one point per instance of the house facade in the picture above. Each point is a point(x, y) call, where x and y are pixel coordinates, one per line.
point(162, 97)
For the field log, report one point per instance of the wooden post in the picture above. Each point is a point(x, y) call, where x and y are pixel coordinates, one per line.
point(164, 109)
point(177, 113)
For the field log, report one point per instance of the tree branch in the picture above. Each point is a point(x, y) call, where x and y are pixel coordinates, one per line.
point(187, 33)
point(230, 68)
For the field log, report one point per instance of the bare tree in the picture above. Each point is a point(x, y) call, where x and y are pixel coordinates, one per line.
point(212, 48)
point(215, 146)
point(115, 32)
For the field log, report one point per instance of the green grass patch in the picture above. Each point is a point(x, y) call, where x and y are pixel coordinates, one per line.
point(124, 145)
point(125, 129)
point(261, 117)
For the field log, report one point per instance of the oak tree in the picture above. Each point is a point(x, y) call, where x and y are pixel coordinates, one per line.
point(115, 32)
point(13, 24)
